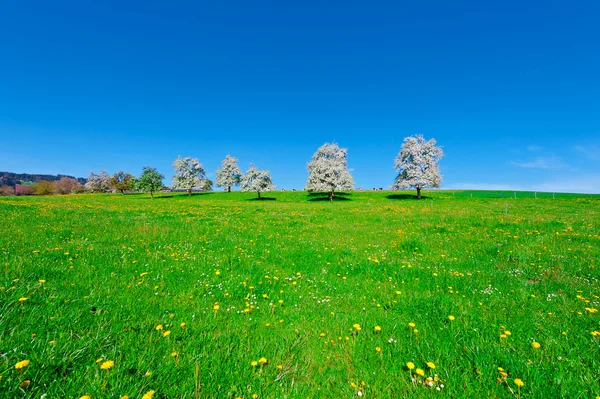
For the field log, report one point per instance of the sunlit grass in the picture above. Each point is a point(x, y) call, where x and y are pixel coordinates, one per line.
point(378, 295)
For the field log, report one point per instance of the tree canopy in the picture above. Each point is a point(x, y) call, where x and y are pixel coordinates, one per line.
point(417, 164)
point(328, 170)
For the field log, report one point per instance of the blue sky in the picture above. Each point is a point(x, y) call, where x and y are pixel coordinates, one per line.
point(510, 90)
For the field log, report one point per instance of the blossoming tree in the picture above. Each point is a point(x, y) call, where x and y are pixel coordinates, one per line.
point(189, 174)
point(257, 180)
point(328, 170)
point(229, 174)
point(417, 164)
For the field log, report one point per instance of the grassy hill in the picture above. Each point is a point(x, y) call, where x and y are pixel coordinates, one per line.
point(378, 295)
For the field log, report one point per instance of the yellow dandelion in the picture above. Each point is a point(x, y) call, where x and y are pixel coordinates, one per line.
point(596, 333)
point(107, 365)
point(431, 365)
point(182, 325)
point(148, 395)
point(518, 382)
point(262, 361)
point(42, 281)
point(377, 329)
point(124, 397)
point(279, 366)
point(506, 332)
point(410, 365)
point(216, 307)
point(356, 326)
point(22, 299)
point(167, 333)
point(451, 318)
point(420, 372)
point(24, 383)
point(159, 327)
point(85, 397)
point(536, 345)
point(148, 374)
point(254, 363)
point(411, 324)
point(378, 349)
point(174, 354)
point(22, 364)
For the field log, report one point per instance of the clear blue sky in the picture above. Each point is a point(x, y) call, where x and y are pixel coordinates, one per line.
point(510, 89)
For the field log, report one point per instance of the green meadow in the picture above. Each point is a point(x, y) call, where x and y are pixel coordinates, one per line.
point(376, 295)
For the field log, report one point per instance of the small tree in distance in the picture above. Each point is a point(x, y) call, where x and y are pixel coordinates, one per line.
point(257, 180)
point(121, 181)
point(98, 183)
point(417, 164)
point(328, 170)
point(229, 174)
point(150, 180)
point(67, 185)
point(189, 174)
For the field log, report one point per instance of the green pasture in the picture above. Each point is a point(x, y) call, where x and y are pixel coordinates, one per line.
point(375, 295)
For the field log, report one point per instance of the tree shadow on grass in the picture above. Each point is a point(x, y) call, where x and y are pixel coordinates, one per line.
point(262, 199)
point(405, 197)
point(322, 196)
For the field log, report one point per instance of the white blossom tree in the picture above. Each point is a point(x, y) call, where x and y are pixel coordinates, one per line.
point(189, 174)
point(328, 170)
point(98, 182)
point(417, 164)
point(257, 180)
point(229, 174)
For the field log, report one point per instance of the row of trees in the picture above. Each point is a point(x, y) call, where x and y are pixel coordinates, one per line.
point(416, 165)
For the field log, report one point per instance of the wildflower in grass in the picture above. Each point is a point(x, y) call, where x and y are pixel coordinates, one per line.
point(255, 396)
point(377, 329)
point(174, 354)
point(431, 365)
point(410, 365)
point(451, 318)
point(508, 333)
point(503, 336)
point(159, 327)
point(148, 395)
point(167, 333)
point(85, 397)
point(518, 382)
point(124, 397)
point(262, 361)
point(420, 372)
point(24, 384)
point(22, 299)
point(356, 327)
point(254, 363)
point(279, 366)
point(148, 374)
point(42, 281)
point(22, 364)
point(107, 365)
point(596, 333)
point(378, 349)
point(411, 324)
point(536, 345)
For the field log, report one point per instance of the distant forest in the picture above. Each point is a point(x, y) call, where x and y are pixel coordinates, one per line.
point(10, 179)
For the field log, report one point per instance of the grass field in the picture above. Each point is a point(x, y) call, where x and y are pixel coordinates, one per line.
point(221, 296)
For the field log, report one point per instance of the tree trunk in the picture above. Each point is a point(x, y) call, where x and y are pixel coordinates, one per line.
point(258, 194)
point(152, 194)
point(228, 189)
point(331, 196)
point(418, 192)
point(189, 191)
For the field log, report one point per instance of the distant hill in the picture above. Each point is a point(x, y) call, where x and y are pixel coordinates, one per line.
point(10, 179)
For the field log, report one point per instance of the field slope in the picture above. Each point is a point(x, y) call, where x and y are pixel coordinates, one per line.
point(376, 294)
